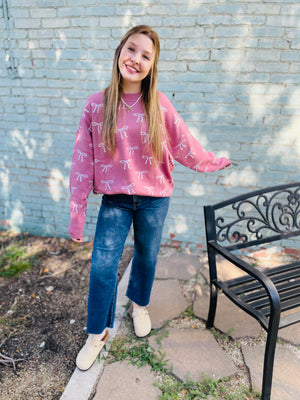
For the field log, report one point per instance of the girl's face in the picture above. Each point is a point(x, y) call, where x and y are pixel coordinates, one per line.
point(135, 61)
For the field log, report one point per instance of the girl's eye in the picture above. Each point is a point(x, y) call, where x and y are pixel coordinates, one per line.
point(130, 49)
point(147, 58)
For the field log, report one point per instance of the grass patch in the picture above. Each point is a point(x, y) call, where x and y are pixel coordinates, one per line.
point(206, 388)
point(14, 260)
point(138, 352)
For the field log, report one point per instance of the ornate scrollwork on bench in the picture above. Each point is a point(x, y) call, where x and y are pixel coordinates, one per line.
point(258, 217)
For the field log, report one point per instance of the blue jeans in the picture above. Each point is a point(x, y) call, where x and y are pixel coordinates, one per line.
point(116, 214)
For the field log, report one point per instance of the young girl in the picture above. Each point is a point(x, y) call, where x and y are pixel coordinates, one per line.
point(128, 136)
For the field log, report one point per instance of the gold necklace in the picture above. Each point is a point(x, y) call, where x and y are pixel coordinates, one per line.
point(132, 105)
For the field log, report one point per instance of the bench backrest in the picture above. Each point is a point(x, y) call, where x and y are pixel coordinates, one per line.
point(254, 218)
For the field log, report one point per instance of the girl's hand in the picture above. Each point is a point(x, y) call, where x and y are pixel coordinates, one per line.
point(80, 240)
point(75, 236)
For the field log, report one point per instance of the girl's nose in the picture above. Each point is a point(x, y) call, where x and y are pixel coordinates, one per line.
point(135, 58)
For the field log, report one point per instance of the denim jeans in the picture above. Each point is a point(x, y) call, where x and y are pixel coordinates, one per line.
point(116, 214)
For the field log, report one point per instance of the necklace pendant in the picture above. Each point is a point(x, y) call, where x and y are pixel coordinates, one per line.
point(130, 107)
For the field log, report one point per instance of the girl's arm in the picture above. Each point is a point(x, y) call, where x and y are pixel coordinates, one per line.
point(82, 174)
point(184, 147)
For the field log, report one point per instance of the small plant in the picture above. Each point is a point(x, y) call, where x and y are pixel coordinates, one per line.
point(138, 353)
point(14, 260)
point(189, 313)
point(222, 336)
point(162, 335)
point(190, 390)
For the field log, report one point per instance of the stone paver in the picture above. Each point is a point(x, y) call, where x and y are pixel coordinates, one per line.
point(167, 302)
point(226, 270)
point(286, 382)
point(182, 267)
point(191, 352)
point(121, 380)
point(291, 333)
point(229, 317)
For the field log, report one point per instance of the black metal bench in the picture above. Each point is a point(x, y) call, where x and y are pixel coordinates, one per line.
point(253, 220)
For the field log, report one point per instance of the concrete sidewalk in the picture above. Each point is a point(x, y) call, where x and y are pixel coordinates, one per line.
point(191, 350)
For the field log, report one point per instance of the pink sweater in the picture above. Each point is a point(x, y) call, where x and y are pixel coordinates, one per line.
point(131, 170)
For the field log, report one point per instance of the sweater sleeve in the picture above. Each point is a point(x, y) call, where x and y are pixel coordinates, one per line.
point(82, 174)
point(184, 147)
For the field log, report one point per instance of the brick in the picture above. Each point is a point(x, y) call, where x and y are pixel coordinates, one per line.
point(263, 55)
point(71, 11)
point(123, 10)
point(23, 3)
point(41, 33)
point(231, 31)
point(214, 20)
point(195, 9)
point(31, 23)
point(179, 21)
point(162, 10)
point(43, 13)
point(54, 3)
point(266, 32)
point(284, 21)
point(56, 23)
point(19, 13)
point(290, 56)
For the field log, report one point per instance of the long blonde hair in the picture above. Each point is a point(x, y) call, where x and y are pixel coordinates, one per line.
point(113, 94)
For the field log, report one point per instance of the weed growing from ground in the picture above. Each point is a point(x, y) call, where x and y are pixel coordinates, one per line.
point(14, 260)
point(138, 352)
point(207, 387)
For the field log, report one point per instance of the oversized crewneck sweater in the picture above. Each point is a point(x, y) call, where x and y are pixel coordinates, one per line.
point(131, 169)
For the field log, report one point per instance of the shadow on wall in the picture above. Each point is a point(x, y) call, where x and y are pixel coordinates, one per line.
point(239, 97)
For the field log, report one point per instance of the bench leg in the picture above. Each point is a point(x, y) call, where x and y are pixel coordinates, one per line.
point(212, 307)
point(269, 359)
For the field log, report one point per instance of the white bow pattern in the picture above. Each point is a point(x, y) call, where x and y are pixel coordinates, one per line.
point(129, 188)
point(81, 155)
point(80, 176)
point(107, 184)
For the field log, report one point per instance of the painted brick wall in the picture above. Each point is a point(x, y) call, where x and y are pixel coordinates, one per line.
point(231, 68)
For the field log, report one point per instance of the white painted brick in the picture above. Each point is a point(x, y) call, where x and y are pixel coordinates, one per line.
point(266, 32)
point(23, 3)
point(179, 21)
point(284, 21)
point(54, 3)
point(56, 23)
point(41, 33)
point(32, 23)
point(18, 13)
point(71, 11)
point(43, 12)
point(231, 31)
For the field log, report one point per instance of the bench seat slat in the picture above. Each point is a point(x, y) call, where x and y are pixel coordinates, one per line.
point(260, 303)
point(285, 306)
point(278, 270)
point(258, 294)
point(275, 277)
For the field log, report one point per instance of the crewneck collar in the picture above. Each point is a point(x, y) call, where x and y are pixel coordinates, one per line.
point(130, 96)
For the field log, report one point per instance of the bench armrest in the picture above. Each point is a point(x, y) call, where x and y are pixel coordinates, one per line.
point(260, 276)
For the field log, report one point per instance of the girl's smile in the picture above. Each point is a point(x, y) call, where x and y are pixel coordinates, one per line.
point(135, 62)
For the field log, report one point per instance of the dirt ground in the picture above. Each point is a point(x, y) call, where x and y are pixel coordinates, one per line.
point(43, 316)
